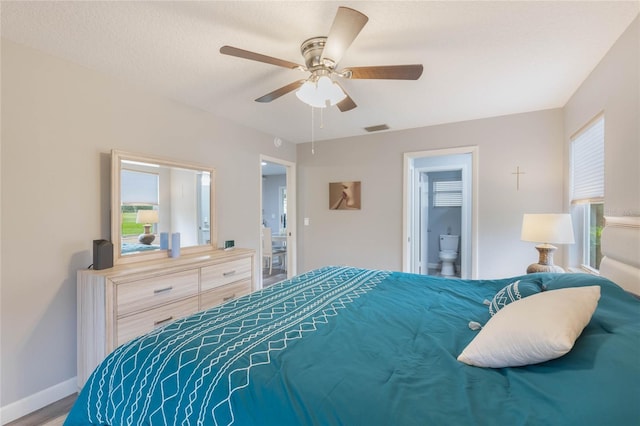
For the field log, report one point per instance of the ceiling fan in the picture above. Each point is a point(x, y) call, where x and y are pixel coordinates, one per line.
point(321, 57)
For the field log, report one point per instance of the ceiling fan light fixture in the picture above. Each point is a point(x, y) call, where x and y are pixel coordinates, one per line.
point(321, 56)
point(321, 93)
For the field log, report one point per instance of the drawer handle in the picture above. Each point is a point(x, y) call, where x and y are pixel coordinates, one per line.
point(226, 274)
point(226, 299)
point(157, 323)
point(162, 290)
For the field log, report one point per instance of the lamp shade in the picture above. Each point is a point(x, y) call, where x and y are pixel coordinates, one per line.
point(147, 216)
point(319, 93)
point(547, 228)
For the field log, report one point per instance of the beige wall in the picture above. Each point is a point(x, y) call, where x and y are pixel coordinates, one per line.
point(372, 236)
point(59, 123)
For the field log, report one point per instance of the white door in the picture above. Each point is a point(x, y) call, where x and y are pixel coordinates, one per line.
point(423, 223)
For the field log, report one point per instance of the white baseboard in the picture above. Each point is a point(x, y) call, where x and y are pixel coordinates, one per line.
point(34, 402)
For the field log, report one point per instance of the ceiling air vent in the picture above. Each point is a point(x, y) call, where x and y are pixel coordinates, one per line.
point(377, 128)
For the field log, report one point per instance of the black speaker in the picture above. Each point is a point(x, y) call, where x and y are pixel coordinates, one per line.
point(102, 254)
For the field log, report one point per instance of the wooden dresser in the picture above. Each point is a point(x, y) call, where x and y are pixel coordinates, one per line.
point(117, 304)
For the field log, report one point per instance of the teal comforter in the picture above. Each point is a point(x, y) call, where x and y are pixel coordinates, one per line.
point(347, 346)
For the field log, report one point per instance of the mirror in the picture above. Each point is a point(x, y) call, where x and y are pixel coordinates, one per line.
point(152, 196)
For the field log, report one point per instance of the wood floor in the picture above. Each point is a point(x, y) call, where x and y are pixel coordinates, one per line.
point(276, 276)
point(51, 415)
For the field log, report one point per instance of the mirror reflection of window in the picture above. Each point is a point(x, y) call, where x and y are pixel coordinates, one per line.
point(139, 192)
point(139, 187)
point(180, 195)
point(190, 192)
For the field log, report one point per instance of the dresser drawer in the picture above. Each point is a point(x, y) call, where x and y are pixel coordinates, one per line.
point(138, 324)
point(135, 296)
point(225, 293)
point(225, 273)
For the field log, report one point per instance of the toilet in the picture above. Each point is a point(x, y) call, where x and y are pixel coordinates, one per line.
point(448, 254)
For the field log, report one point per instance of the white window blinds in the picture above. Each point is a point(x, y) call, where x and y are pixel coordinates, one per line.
point(447, 193)
point(139, 187)
point(587, 163)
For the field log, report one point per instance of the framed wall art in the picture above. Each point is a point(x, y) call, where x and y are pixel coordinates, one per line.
point(344, 195)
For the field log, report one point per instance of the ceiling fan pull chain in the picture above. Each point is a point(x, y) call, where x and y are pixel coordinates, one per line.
point(313, 149)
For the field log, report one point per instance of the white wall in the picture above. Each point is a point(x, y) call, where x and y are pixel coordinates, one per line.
point(184, 210)
point(271, 200)
point(371, 237)
point(59, 124)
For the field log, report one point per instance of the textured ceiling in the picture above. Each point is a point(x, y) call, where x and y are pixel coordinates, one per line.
point(480, 58)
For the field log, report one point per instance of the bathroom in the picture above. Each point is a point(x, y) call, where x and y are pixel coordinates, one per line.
point(442, 220)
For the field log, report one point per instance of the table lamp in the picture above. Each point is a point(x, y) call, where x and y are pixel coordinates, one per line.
point(148, 217)
point(547, 229)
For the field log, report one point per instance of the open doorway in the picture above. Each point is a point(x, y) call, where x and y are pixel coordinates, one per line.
point(439, 220)
point(277, 221)
point(440, 210)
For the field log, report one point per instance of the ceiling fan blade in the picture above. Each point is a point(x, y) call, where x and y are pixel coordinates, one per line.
point(346, 104)
point(281, 91)
point(387, 72)
point(345, 28)
point(245, 54)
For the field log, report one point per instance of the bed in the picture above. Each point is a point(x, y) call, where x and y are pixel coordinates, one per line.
point(127, 248)
point(350, 346)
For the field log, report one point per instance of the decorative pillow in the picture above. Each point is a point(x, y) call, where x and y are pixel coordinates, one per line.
point(538, 328)
point(514, 291)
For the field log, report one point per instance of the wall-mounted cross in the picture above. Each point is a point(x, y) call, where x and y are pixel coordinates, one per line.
point(518, 173)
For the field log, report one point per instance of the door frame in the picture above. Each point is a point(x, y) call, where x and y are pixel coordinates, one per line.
point(422, 197)
point(408, 208)
point(290, 168)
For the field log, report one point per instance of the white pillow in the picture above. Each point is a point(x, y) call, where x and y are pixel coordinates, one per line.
point(535, 329)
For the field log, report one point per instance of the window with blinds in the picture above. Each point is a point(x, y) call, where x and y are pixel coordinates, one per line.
point(447, 193)
point(587, 190)
point(140, 191)
point(587, 161)
point(139, 187)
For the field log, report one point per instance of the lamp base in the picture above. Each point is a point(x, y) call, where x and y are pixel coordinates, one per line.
point(536, 267)
point(146, 238)
point(545, 262)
